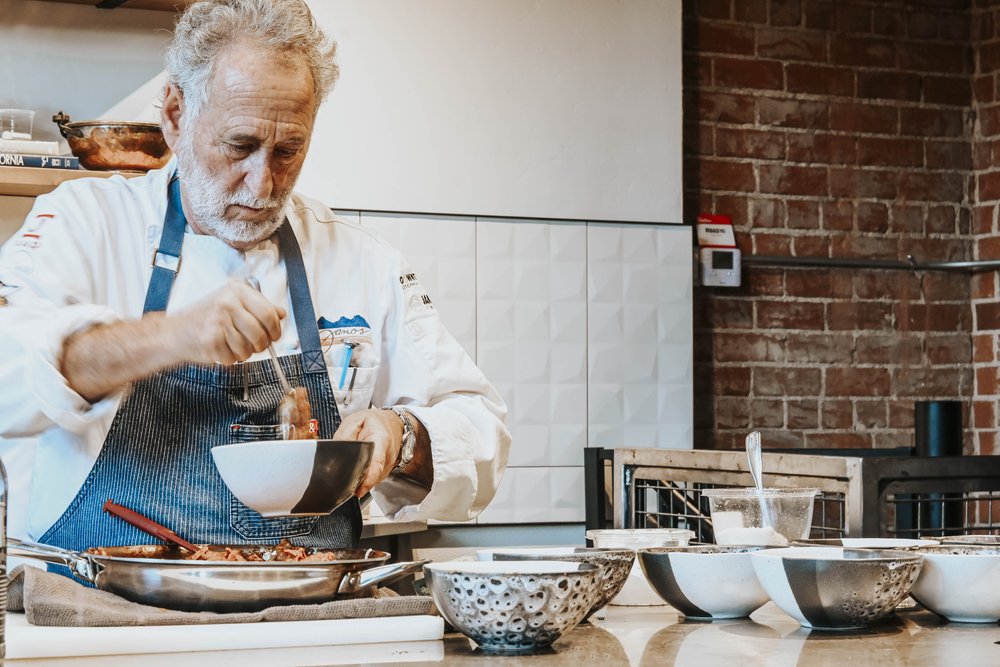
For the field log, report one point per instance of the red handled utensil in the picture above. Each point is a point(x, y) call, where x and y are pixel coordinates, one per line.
point(147, 525)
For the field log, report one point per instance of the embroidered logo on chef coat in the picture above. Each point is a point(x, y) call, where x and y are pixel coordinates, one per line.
point(418, 301)
point(36, 223)
point(354, 329)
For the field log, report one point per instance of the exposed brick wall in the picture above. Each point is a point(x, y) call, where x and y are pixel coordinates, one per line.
point(985, 231)
point(839, 129)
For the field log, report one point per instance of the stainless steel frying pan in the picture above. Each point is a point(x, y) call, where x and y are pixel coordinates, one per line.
point(158, 575)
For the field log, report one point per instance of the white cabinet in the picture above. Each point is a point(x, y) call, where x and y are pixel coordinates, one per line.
point(532, 333)
point(442, 252)
point(585, 329)
point(639, 336)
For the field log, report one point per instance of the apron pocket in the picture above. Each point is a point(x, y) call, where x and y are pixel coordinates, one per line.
point(245, 521)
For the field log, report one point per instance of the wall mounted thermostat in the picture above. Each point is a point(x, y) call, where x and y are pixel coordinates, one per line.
point(720, 267)
point(718, 256)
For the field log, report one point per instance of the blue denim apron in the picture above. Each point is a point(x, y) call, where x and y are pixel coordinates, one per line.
point(156, 459)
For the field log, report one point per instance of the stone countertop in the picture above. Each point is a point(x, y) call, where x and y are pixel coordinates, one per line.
point(645, 636)
point(648, 636)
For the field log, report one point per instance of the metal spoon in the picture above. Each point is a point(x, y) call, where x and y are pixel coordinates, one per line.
point(757, 472)
point(289, 403)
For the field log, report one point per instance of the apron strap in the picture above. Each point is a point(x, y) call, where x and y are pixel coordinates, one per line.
point(302, 306)
point(167, 258)
point(167, 262)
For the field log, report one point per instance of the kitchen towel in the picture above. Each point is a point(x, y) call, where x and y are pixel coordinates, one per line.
point(54, 600)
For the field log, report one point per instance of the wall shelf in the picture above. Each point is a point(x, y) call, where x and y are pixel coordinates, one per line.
point(159, 5)
point(31, 181)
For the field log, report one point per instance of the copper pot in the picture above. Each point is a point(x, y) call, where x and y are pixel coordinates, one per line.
point(113, 145)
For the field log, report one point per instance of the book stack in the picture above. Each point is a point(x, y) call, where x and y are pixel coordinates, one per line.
point(43, 154)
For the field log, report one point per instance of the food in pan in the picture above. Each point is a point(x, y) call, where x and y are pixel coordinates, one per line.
point(284, 551)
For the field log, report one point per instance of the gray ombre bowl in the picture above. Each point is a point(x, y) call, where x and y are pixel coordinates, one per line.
point(836, 589)
point(615, 564)
point(705, 582)
point(960, 582)
point(513, 606)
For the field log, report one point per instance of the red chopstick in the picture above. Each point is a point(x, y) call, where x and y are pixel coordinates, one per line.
point(147, 525)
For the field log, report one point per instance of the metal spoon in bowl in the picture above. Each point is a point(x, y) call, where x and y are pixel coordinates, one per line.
point(295, 400)
point(757, 472)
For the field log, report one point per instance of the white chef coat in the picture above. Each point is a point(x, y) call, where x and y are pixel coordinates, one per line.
point(83, 257)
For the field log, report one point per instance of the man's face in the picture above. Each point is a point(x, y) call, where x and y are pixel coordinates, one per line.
point(240, 156)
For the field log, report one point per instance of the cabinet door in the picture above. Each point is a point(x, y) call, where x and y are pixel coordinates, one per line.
point(532, 327)
point(532, 342)
point(442, 252)
point(639, 336)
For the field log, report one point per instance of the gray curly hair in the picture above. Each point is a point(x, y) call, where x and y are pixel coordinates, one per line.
point(207, 27)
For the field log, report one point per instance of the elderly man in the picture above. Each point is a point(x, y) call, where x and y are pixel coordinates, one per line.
point(131, 369)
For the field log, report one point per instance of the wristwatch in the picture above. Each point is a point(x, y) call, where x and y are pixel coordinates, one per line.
point(409, 441)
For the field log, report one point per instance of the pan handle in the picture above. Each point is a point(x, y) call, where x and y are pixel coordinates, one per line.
point(383, 574)
point(61, 119)
point(82, 567)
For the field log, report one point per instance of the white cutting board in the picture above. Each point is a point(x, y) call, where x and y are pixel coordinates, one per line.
point(31, 641)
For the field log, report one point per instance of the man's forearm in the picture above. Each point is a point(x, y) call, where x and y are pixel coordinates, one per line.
point(102, 359)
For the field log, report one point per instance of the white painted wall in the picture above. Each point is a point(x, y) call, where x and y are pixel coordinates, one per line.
point(75, 58)
point(564, 109)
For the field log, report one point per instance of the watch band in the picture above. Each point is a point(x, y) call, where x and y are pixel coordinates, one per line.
point(409, 443)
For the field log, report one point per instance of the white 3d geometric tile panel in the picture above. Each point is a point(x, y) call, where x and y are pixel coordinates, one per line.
point(639, 336)
point(532, 333)
point(442, 252)
point(537, 495)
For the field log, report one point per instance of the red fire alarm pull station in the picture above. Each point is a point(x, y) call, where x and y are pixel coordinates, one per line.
point(719, 258)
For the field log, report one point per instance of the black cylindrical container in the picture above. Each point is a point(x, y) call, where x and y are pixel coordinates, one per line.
point(938, 432)
point(938, 428)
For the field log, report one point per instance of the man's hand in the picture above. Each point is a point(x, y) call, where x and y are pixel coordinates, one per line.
point(385, 429)
point(226, 326)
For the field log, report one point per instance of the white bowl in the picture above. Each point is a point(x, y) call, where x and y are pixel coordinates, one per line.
point(833, 588)
point(705, 582)
point(982, 540)
point(637, 592)
point(513, 606)
point(899, 543)
point(293, 477)
point(960, 582)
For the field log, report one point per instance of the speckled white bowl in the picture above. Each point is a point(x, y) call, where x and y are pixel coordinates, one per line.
point(513, 606)
point(615, 564)
point(836, 589)
point(636, 592)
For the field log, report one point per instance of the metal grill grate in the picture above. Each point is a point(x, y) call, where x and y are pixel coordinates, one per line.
point(666, 504)
point(940, 514)
point(860, 496)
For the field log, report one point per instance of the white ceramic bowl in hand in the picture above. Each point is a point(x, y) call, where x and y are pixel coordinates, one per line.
point(705, 582)
point(293, 477)
point(832, 588)
point(513, 606)
point(960, 582)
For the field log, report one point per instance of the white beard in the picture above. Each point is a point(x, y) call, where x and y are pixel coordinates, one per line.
point(209, 201)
